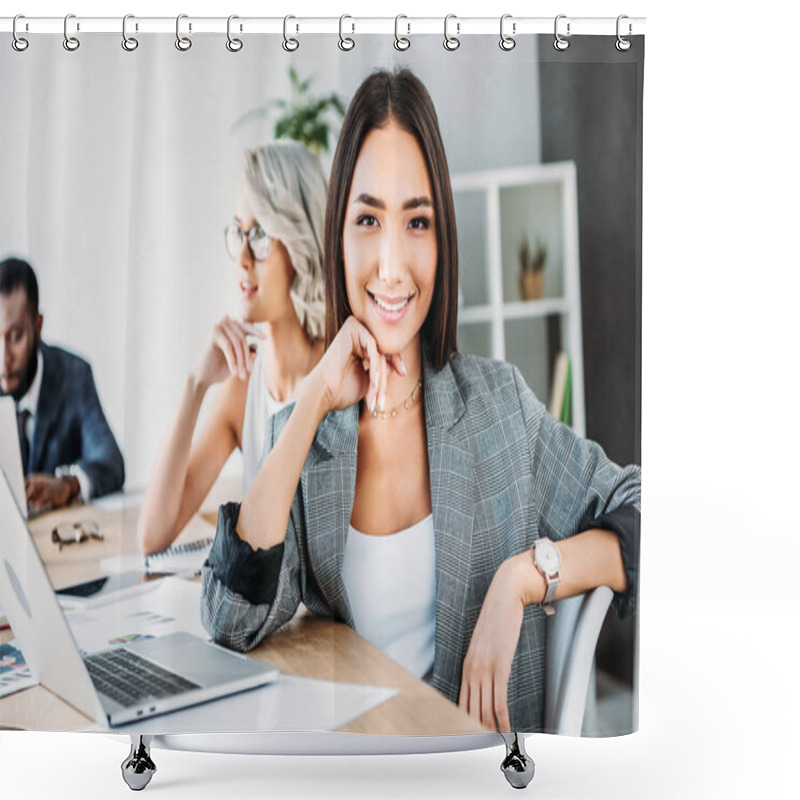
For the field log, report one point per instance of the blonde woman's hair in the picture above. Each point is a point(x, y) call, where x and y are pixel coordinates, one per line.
point(286, 189)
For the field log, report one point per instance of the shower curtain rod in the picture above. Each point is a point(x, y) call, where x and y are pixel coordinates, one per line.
point(348, 25)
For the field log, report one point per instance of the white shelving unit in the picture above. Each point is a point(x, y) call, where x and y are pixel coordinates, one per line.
point(496, 211)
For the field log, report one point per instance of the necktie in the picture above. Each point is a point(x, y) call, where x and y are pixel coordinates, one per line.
point(24, 450)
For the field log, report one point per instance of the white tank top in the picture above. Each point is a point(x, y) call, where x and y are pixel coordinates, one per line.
point(258, 408)
point(391, 585)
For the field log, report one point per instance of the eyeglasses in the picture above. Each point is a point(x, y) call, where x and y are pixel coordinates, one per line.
point(257, 240)
point(75, 532)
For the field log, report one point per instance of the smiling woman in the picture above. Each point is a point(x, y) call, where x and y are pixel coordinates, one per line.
point(389, 245)
point(441, 509)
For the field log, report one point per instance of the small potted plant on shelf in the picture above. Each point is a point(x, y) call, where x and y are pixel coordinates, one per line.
point(531, 276)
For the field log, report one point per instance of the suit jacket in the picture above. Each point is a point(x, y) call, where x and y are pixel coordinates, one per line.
point(70, 425)
point(502, 473)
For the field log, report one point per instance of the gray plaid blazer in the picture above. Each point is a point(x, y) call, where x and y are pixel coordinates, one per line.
point(502, 473)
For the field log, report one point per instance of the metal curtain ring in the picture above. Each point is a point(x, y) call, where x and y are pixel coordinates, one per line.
point(234, 45)
point(561, 43)
point(18, 43)
point(400, 42)
point(345, 42)
point(128, 42)
point(70, 42)
point(622, 44)
point(507, 42)
point(183, 43)
point(289, 44)
point(451, 42)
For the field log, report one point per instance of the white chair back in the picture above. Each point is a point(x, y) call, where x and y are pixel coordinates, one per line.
point(571, 640)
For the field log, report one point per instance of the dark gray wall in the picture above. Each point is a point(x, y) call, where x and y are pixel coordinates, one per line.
point(591, 114)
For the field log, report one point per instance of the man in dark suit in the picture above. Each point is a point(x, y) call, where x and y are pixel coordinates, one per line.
point(67, 447)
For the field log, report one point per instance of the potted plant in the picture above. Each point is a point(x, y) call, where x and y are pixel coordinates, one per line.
point(305, 118)
point(531, 276)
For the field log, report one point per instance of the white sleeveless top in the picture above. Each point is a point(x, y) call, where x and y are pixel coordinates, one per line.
point(258, 408)
point(391, 585)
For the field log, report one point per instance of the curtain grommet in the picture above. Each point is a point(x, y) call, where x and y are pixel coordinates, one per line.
point(451, 43)
point(129, 43)
point(19, 43)
point(560, 42)
point(289, 44)
point(233, 44)
point(71, 43)
point(622, 44)
point(401, 43)
point(507, 42)
point(346, 43)
point(183, 43)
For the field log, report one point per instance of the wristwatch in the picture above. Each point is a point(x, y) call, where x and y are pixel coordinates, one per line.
point(547, 559)
point(67, 471)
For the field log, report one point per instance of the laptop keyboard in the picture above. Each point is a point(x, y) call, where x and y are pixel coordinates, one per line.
point(129, 678)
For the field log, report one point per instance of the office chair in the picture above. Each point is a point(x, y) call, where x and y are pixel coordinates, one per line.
point(571, 640)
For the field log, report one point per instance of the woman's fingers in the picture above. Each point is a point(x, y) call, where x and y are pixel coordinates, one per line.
point(484, 697)
point(384, 374)
point(487, 703)
point(463, 695)
point(365, 363)
point(242, 349)
point(501, 704)
point(396, 363)
point(224, 345)
point(235, 336)
point(365, 348)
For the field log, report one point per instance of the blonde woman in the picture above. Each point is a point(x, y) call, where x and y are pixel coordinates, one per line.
point(275, 241)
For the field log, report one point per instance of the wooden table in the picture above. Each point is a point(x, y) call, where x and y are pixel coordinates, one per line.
point(307, 646)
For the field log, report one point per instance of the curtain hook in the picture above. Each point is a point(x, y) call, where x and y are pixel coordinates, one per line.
point(400, 42)
point(622, 44)
point(561, 43)
point(345, 42)
point(129, 43)
point(183, 43)
point(289, 45)
point(71, 43)
point(234, 45)
point(451, 42)
point(507, 42)
point(18, 43)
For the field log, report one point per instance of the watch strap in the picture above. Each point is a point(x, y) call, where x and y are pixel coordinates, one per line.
point(550, 593)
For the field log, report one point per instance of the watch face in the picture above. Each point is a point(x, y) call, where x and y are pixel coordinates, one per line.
point(548, 558)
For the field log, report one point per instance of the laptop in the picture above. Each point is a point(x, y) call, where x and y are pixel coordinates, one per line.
point(126, 683)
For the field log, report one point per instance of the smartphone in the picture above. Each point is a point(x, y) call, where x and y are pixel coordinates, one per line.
point(98, 588)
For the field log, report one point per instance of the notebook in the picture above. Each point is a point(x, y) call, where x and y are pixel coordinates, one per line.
point(188, 557)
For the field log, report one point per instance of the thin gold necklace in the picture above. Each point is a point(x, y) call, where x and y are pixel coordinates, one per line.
point(406, 404)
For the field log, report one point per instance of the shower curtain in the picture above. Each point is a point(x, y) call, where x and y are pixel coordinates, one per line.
point(135, 182)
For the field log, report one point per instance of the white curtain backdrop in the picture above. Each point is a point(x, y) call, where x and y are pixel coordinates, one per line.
point(119, 173)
